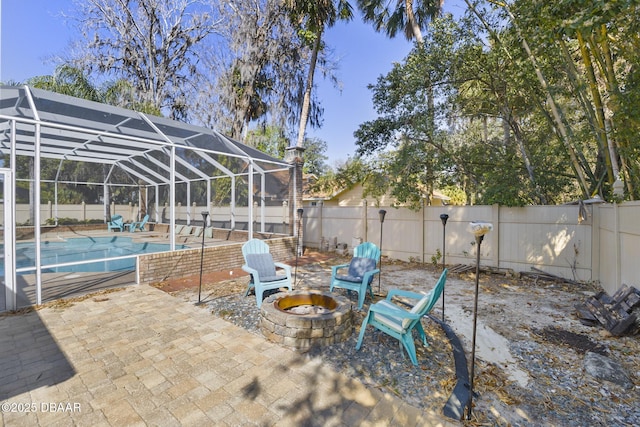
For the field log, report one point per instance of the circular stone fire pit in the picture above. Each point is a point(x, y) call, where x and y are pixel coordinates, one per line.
point(302, 319)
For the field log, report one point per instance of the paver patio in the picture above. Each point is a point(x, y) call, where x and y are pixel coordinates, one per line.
point(139, 356)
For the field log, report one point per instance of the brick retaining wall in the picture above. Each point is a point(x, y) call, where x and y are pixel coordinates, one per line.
point(153, 268)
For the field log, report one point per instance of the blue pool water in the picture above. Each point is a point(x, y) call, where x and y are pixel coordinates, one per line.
point(87, 248)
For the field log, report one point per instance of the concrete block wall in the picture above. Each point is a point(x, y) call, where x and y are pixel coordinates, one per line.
point(158, 267)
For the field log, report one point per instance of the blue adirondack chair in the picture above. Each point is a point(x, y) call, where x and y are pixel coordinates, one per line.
point(139, 225)
point(260, 265)
point(400, 323)
point(116, 223)
point(360, 271)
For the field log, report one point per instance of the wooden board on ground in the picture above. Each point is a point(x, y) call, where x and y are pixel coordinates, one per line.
point(617, 313)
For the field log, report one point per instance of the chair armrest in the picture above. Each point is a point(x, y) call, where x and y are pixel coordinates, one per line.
point(335, 268)
point(369, 274)
point(252, 271)
point(402, 293)
point(285, 267)
point(394, 311)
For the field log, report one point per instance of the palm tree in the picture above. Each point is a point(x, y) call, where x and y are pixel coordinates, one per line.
point(408, 16)
point(68, 80)
point(313, 17)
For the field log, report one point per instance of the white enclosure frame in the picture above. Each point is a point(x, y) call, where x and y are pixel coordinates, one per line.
point(153, 150)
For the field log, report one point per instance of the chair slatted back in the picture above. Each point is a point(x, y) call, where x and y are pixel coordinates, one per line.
point(254, 246)
point(367, 250)
point(425, 305)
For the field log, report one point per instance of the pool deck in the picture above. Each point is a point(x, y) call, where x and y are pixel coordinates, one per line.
point(139, 356)
point(140, 236)
point(63, 285)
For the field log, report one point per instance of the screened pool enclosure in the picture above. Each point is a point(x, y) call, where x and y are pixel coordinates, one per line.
point(71, 161)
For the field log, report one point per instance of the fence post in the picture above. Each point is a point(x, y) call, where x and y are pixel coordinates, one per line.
point(320, 220)
point(595, 242)
point(365, 221)
point(495, 235)
point(616, 241)
point(423, 229)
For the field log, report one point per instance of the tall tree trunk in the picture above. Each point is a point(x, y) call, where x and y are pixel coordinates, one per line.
point(602, 136)
point(559, 123)
point(417, 35)
point(411, 19)
point(506, 122)
point(561, 129)
point(588, 106)
point(631, 174)
point(306, 101)
point(517, 133)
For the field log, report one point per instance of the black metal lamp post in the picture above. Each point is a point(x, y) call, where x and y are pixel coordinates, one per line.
point(299, 212)
point(443, 218)
point(479, 229)
point(381, 214)
point(205, 214)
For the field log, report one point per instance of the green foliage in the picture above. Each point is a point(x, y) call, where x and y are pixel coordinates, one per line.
point(584, 52)
point(494, 137)
point(435, 259)
point(313, 16)
point(122, 94)
point(78, 181)
point(403, 17)
point(456, 195)
point(272, 141)
point(374, 180)
point(68, 80)
point(314, 156)
point(268, 139)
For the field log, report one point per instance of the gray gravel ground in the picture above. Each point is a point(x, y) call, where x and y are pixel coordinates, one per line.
point(559, 392)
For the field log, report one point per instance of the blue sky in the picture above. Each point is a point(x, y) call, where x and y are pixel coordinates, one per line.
point(32, 30)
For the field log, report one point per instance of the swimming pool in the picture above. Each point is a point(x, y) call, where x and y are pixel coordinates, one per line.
point(82, 249)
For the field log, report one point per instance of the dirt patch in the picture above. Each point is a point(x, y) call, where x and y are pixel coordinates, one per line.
point(578, 342)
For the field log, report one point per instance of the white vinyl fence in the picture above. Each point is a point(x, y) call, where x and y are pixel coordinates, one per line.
point(605, 247)
point(130, 212)
point(602, 248)
point(616, 245)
